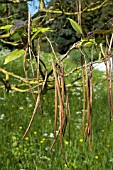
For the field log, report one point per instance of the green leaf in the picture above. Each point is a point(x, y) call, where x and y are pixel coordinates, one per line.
point(88, 42)
point(6, 27)
point(14, 55)
point(76, 26)
point(39, 30)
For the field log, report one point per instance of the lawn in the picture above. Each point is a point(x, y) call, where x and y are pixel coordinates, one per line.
point(33, 152)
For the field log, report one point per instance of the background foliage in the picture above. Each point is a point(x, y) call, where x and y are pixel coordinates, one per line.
point(63, 34)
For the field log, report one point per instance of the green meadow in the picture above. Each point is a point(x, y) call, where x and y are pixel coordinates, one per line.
point(33, 152)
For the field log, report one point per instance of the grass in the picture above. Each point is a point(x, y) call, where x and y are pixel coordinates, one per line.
point(33, 153)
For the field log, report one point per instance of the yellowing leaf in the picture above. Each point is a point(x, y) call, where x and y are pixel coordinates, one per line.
point(6, 27)
point(39, 30)
point(88, 42)
point(14, 55)
point(76, 26)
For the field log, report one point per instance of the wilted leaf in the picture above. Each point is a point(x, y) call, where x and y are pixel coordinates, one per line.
point(18, 24)
point(76, 26)
point(14, 55)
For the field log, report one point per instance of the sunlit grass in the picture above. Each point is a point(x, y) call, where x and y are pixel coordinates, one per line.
point(33, 152)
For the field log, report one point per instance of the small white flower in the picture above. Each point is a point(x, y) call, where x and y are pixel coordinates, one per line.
point(2, 98)
point(51, 135)
point(30, 105)
point(78, 127)
point(2, 116)
point(78, 112)
point(73, 93)
point(21, 108)
point(111, 160)
point(77, 93)
point(45, 134)
point(47, 148)
point(78, 88)
point(27, 98)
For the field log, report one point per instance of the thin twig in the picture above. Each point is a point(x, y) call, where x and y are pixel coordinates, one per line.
point(33, 115)
point(29, 46)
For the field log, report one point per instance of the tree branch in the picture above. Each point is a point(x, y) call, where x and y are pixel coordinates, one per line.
point(69, 13)
point(13, 1)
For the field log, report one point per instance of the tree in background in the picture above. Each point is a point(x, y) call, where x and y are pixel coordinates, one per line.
point(90, 20)
point(94, 16)
point(11, 12)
